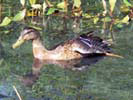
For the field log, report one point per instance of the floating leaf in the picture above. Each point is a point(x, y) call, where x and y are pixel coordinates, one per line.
point(20, 15)
point(51, 11)
point(127, 3)
point(112, 4)
point(22, 2)
point(32, 2)
point(5, 21)
point(125, 19)
point(77, 3)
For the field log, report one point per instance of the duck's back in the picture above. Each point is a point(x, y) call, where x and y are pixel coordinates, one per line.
point(81, 46)
point(90, 44)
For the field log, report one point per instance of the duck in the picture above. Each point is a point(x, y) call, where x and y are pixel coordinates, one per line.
point(66, 54)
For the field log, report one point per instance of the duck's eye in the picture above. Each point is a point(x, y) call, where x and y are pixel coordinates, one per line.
point(30, 36)
point(26, 31)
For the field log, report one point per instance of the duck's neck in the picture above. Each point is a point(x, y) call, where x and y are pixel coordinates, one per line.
point(38, 48)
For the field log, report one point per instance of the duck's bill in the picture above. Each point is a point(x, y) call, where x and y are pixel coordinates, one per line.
point(19, 42)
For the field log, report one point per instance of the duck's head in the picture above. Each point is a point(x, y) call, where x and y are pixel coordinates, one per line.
point(28, 33)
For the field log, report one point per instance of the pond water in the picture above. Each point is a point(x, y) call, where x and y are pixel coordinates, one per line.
point(109, 79)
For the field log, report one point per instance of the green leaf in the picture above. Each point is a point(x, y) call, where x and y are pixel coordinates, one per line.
point(119, 25)
point(36, 6)
point(44, 6)
point(77, 3)
point(106, 19)
point(51, 11)
point(124, 8)
point(22, 2)
point(86, 15)
point(95, 19)
point(1, 61)
point(127, 3)
point(32, 2)
point(7, 31)
point(20, 15)
point(112, 4)
point(61, 5)
point(36, 27)
point(5, 21)
point(125, 19)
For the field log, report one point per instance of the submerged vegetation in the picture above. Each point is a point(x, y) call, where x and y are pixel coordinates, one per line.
point(58, 21)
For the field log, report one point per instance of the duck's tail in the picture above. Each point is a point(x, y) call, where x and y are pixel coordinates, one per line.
point(113, 55)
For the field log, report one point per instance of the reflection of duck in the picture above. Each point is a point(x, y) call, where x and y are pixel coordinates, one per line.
point(81, 47)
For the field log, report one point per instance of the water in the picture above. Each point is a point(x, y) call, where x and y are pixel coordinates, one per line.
point(109, 79)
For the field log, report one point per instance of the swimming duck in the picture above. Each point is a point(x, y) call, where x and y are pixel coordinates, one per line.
point(63, 54)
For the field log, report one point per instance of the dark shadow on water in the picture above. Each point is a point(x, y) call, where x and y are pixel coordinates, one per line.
point(74, 64)
point(88, 61)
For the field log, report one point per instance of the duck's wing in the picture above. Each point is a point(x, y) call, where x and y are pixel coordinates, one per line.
point(90, 45)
